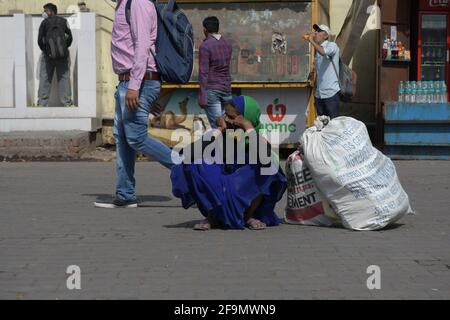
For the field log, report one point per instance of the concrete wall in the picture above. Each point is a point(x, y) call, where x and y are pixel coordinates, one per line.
point(21, 59)
point(106, 80)
point(7, 63)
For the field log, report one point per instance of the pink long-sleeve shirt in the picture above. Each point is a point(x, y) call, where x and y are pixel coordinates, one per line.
point(130, 45)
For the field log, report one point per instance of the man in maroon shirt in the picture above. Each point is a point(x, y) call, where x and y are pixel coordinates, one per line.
point(214, 71)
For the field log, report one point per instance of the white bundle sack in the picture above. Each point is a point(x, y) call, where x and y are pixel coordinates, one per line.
point(306, 205)
point(360, 182)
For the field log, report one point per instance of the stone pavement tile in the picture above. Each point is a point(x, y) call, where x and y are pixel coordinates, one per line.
point(152, 252)
point(402, 295)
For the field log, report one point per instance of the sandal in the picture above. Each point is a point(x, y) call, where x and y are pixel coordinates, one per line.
point(256, 225)
point(205, 225)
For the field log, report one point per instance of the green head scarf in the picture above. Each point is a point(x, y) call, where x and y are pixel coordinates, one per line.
point(249, 108)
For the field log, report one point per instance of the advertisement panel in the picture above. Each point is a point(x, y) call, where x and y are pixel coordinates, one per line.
point(283, 114)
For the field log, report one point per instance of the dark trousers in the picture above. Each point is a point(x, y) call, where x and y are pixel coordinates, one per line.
point(46, 73)
point(328, 107)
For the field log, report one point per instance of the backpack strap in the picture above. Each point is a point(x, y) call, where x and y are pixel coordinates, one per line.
point(128, 11)
point(335, 71)
point(171, 5)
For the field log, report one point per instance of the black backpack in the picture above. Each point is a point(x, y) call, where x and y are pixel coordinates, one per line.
point(55, 38)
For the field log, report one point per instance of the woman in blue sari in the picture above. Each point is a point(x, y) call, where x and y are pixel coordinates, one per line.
point(232, 195)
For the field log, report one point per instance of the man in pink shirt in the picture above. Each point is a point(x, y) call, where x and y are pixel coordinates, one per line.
point(138, 89)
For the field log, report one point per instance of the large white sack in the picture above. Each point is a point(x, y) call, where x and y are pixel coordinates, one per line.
point(360, 182)
point(305, 204)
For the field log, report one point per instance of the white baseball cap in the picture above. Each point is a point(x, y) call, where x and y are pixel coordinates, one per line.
point(323, 28)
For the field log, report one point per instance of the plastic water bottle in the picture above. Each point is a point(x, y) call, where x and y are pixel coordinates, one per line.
point(441, 85)
point(418, 95)
point(402, 95)
point(434, 92)
point(423, 96)
point(413, 95)
point(443, 93)
point(430, 95)
point(407, 97)
point(401, 92)
point(437, 93)
point(424, 86)
point(419, 92)
point(414, 92)
point(426, 92)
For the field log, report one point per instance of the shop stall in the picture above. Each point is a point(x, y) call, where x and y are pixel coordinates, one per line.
point(270, 62)
point(414, 76)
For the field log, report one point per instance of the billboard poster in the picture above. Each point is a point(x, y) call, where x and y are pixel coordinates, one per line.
point(177, 110)
point(283, 114)
point(266, 38)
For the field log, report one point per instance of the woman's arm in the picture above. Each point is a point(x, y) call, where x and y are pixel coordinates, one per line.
point(240, 122)
point(260, 146)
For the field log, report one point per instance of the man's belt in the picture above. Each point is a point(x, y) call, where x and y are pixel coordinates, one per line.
point(148, 76)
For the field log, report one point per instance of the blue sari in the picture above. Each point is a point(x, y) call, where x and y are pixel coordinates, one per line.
point(225, 191)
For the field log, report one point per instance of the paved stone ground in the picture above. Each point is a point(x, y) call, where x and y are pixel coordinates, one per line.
point(47, 222)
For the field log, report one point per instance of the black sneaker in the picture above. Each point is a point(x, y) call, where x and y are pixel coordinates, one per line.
point(116, 203)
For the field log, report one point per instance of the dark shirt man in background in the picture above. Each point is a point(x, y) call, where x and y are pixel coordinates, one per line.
point(54, 39)
point(83, 7)
point(214, 71)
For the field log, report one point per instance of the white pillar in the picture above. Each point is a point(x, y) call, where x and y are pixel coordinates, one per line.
point(87, 66)
point(20, 63)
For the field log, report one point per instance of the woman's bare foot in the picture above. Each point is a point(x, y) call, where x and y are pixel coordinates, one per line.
point(254, 224)
point(205, 225)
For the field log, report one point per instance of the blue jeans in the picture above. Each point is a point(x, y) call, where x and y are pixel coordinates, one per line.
point(216, 101)
point(131, 135)
point(328, 107)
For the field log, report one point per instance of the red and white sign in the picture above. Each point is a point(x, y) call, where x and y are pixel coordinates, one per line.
point(434, 5)
point(282, 112)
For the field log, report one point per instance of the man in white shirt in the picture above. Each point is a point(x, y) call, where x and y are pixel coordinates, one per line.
point(326, 54)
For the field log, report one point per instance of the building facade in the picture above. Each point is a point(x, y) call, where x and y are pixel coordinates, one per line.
point(336, 13)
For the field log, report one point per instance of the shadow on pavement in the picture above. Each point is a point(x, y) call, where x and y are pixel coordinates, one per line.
point(184, 225)
point(149, 198)
point(393, 227)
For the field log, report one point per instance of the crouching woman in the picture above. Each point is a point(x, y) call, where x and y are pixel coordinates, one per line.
point(233, 194)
